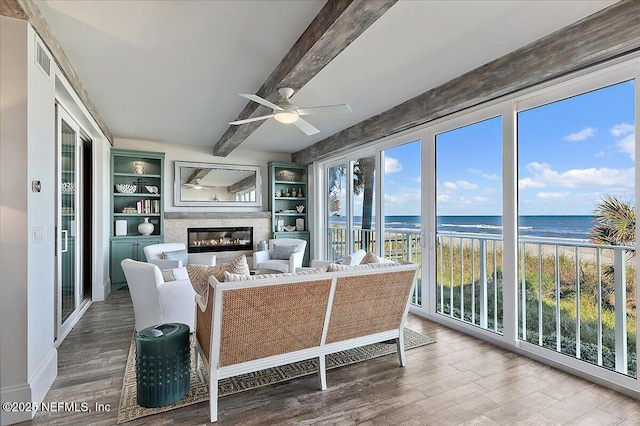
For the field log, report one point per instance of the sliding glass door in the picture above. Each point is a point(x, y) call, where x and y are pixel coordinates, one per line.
point(69, 248)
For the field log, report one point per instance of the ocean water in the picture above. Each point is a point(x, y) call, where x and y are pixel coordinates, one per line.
point(565, 227)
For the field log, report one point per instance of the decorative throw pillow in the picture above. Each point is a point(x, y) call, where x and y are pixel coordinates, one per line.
point(371, 257)
point(229, 277)
point(174, 274)
point(199, 274)
point(176, 255)
point(167, 275)
point(334, 267)
point(283, 252)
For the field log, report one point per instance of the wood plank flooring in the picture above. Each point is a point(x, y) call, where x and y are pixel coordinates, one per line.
point(457, 381)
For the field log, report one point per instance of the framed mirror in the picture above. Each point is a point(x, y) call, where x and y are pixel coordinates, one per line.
point(212, 185)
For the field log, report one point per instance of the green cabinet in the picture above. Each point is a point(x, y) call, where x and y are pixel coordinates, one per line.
point(137, 195)
point(288, 203)
point(127, 248)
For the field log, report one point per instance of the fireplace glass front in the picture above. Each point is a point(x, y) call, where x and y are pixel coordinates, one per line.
point(219, 239)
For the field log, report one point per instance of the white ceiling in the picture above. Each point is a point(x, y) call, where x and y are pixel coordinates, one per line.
point(171, 71)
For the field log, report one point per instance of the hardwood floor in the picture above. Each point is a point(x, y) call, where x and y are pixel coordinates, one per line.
point(458, 380)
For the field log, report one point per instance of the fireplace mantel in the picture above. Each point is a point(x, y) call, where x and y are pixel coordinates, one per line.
point(217, 215)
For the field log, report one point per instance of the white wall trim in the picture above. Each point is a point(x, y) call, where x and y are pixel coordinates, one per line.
point(44, 376)
point(16, 393)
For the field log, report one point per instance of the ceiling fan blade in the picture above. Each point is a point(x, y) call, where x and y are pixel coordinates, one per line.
point(258, 99)
point(307, 128)
point(327, 109)
point(249, 120)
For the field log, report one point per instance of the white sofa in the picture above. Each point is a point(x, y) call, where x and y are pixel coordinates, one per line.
point(308, 315)
point(156, 301)
point(268, 259)
point(154, 254)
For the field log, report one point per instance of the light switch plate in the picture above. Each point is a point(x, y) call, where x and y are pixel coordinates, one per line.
point(37, 234)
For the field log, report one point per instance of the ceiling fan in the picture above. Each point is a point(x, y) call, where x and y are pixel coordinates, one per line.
point(288, 113)
point(195, 185)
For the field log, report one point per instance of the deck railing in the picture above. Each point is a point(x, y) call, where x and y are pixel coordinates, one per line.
point(399, 244)
point(572, 295)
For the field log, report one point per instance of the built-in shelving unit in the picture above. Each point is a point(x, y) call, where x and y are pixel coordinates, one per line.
point(288, 202)
point(142, 171)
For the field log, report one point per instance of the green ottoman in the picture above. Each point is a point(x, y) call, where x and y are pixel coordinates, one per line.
point(163, 361)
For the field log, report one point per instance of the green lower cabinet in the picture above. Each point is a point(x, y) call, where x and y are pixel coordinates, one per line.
point(300, 235)
point(127, 248)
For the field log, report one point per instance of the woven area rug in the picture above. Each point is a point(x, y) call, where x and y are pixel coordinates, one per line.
point(130, 410)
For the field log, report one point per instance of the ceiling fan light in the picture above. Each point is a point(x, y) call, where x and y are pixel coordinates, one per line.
point(285, 117)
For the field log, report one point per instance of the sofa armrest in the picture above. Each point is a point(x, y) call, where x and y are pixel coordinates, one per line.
point(260, 256)
point(295, 260)
point(208, 259)
point(166, 263)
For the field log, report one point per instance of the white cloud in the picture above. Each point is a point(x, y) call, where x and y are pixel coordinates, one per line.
point(599, 154)
point(622, 129)
point(392, 165)
point(462, 184)
point(627, 145)
point(544, 176)
point(527, 183)
point(553, 195)
point(466, 185)
point(583, 134)
point(492, 176)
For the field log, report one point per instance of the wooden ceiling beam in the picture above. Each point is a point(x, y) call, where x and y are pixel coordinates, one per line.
point(12, 9)
point(603, 36)
point(338, 24)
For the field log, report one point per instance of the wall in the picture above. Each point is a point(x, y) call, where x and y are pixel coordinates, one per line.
point(175, 229)
point(177, 152)
point(28, 360)
point(13, 215)
point(41, 217)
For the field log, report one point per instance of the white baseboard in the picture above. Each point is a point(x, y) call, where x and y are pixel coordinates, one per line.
point(100, 292)
point(19, 393)
point(44, 376)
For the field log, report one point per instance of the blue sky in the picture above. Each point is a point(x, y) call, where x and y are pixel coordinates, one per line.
point(570, 153)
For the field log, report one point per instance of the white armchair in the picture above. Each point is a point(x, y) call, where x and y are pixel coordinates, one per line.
point(284, 254)
point(353, 259)
point(155, 254)
point(156, 301)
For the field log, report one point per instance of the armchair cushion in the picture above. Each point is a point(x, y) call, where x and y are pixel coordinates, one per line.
point(176, 255)
point(283, 252)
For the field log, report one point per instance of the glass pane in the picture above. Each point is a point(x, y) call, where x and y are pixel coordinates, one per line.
point(469, 224)
point(68, 186)
point(363, 210)
point(336, 214)
point(576, 168)
point(402, 208)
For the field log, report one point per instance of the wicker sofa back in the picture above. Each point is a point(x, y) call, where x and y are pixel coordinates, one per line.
point(252, 325)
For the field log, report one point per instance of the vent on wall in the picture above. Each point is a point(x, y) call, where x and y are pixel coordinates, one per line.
point(43, 59)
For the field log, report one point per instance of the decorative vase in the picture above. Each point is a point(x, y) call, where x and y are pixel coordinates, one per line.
point(138, 168)
point(145, 228)
point(262, 245)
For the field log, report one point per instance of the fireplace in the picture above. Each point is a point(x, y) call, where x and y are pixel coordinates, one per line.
point(219, 239)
